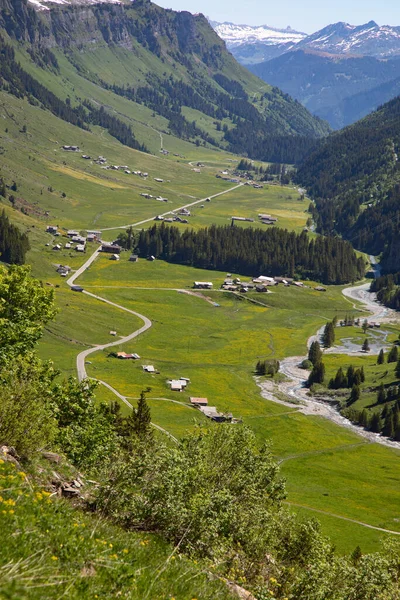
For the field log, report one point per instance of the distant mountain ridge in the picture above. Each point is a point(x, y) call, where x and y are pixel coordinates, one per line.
point(236, 35)
point(339, 89)
point(369, 39)
point(341, 73)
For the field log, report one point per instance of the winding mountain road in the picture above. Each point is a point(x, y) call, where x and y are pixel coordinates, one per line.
point(82, 356)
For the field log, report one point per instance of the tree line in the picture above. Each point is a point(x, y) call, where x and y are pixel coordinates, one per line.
point(253, 251)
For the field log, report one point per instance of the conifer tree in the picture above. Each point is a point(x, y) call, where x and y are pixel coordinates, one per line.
point(142, 418)
point(328, 336)
point(381, 398)
point(381, 358)
point(393, 355)
point(364, 418)
point(375, 423)
point(350, 376)
point(315, 353)
point(388, 426)
point(355, 394)
point(397, 372)
point(365, 346)
point(317, 375)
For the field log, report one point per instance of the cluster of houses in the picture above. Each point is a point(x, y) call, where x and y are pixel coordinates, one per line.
point(180, 385)
point(102, 161)
point(179, 218)
point(267, 219)
point(75, 239)
point(258, 284)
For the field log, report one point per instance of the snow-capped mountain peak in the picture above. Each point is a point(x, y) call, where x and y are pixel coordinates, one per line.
point(369, 39)
point(237, 35)
point(257, 44)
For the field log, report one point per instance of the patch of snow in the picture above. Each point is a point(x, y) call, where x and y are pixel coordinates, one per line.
point(237, 35)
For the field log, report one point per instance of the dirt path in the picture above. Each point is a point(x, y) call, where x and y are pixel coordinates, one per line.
point(329, 514)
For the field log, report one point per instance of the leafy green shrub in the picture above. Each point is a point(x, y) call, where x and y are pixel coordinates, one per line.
point(26, 408)
point(307, 364)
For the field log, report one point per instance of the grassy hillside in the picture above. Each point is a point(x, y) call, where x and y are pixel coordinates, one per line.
point(65, 549)
point(148, 67)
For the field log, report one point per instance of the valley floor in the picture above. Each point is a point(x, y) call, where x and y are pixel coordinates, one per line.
point(349, 483)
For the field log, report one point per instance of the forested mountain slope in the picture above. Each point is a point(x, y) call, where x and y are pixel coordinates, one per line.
point(355, 181)
point(340, 89)
point(170, 63)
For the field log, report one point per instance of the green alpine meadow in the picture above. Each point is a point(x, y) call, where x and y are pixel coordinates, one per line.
point(199, 327)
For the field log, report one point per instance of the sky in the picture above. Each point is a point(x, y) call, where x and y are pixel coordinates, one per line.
point(304, 15)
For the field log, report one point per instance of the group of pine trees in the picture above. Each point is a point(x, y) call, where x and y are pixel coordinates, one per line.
point(275, 171)
point(253, 251)
point(385, 422)
point(344, 380)
point(317, 374)
point(267, 367)
point(392, 356)
point(354, 180)
point(13, 244)
point(328, 336)
point(387, 289)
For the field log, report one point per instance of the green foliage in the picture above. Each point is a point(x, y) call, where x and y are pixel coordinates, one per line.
point(215, 491)
point(141, 419)
point(86, 429)
point(328, 337)
point(315, 353)
point(393, 354)
point(253, 251)
point(365, 346)
point(13, 244)
point(317, 374)
point(267, 367)
point(355, 394)
point(381, 358)
point(25, 307)
point(307, 364)
point(27, 405)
